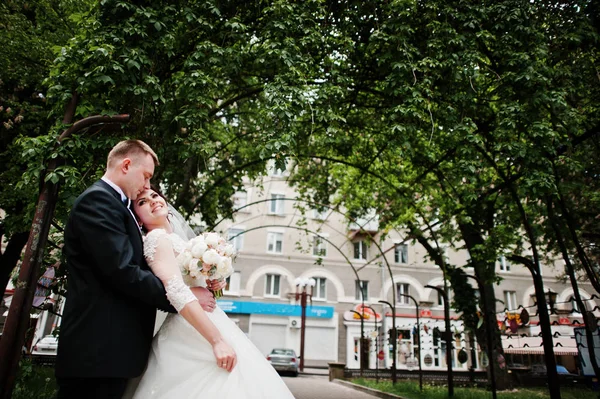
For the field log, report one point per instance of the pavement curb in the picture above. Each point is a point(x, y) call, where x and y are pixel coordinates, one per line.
point(371, 391)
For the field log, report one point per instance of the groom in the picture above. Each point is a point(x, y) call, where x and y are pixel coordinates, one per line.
point(112, 295)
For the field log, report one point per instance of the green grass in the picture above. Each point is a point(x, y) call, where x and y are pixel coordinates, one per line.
point(410, 390)
point(34, 382)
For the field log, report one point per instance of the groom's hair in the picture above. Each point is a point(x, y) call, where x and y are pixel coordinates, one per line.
point(130, 149)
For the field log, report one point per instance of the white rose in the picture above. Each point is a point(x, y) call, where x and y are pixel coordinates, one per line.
point(194, 241)
point(212, 239)
point(211, 257)
point(195, 272)
point(198, 249)
point(192, 266)
point(223, 266)
point(184, 259)
point(229, 250)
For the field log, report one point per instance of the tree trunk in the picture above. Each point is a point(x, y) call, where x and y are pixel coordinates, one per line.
point(11, 256)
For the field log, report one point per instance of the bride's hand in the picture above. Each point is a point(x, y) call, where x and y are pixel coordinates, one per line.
point(225, 355)
point(216, 285)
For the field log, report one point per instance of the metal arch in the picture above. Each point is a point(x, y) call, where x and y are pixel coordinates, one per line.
point(306, 230)
point(334, 160)
point(381, 252)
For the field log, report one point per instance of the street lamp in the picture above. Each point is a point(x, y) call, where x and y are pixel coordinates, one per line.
point(362, 340)
point(448, 338)
point(376, 343)
point(302, 295)
point(394, 341)
point(418, 339)
point(550, 300)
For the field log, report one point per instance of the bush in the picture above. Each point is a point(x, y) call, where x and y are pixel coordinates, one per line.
point(34, 381)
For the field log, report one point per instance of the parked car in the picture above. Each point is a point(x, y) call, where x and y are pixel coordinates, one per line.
point(538, 371)
point(566, 377)
point(284, 360)
point(46, 346)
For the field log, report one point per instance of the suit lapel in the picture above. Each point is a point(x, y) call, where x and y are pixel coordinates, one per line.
point(132, 221)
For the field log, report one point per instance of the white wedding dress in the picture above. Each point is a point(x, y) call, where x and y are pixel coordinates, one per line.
point(182, 364)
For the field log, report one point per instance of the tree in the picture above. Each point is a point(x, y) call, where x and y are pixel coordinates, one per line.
point(30, 32)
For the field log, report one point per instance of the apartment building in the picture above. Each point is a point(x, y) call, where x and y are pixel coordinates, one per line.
point(278, 244)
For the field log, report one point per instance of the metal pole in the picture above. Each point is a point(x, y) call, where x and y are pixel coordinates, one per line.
point(487, 314)
point(17, 322)
point(376, 346)
point(362, 340)
point(303, 295)
point(302, 326)
point(394, 342)
point(448, 339)
point(418, 339)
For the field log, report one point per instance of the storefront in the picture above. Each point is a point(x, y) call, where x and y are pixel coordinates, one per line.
point(277, 325)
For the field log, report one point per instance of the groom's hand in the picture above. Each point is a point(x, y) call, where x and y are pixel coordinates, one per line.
point(205, 298)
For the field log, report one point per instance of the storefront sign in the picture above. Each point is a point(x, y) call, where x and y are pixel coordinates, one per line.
point(278, 309)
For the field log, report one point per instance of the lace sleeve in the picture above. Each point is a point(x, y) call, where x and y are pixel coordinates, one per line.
point(151, 242)
point(158, 250)
point(178, 293)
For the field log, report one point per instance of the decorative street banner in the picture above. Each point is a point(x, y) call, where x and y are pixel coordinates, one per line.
point(278, 309)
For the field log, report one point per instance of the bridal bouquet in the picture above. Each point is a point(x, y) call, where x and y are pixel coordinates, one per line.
point(207, 255)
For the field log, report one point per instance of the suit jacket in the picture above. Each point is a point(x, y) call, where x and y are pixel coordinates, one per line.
point(112, 295)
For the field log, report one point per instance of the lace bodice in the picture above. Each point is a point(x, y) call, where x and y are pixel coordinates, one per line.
point(160, 250)
point(151, 241)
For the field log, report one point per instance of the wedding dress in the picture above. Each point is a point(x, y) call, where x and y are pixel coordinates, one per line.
point(182, 363)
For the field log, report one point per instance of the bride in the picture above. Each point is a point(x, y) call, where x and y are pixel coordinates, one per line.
point(195, 354)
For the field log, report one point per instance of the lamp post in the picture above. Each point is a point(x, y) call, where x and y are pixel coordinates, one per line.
point(376, 343)
point(362, 339)
point(551, 298)
point(487, 313)
point(394, 341)
point(448, 338)
point(302, 295)
point(418, 339)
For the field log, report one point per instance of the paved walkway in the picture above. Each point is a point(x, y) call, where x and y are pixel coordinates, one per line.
point(307, 386)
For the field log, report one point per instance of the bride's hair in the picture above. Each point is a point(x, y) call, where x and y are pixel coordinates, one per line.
point(178, 223)
point(157, 191)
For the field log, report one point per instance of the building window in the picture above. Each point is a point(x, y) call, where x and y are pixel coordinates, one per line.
point(504, 265)
point(233, 284)
point(510, 300)
point(320, 289)
point(360, 250)
point(275, 171)
point(319, 246)
point(240, 200)
point(236, 238)
point(275, 243)
point(272, 285)
point(276, 204)
point(362, 290)
point(401, 290)
point(401, 253)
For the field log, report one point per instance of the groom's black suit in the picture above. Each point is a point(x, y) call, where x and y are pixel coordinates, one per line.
point(112, 296)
